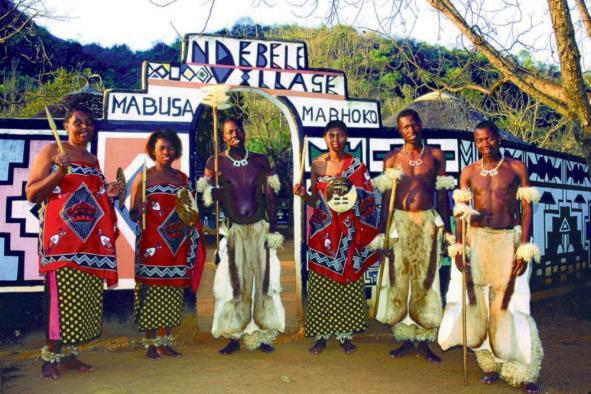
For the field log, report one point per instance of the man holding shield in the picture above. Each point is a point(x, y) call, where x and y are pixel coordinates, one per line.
point(410, 301)
point(344, 222)
point(246, 284)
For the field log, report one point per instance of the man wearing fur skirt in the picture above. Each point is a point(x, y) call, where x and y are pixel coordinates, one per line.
point(247, 279)
point(410, 299)
point(499, 328)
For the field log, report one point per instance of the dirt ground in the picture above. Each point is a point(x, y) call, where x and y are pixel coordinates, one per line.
point(564, 324)
point(564, 327)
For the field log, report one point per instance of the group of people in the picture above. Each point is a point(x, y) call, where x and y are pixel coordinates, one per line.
point(347, 234)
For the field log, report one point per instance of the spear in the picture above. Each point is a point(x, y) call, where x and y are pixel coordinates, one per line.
point(216, 151)
point(216, 98)
point(58, 141)
point(144, 177)
point(303, 159)
point(298, 284)
point(396, 174)
point(464, 336)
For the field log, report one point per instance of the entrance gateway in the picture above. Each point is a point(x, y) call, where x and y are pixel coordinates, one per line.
point(170, 97)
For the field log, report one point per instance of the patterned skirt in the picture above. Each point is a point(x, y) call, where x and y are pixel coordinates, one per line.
point(333, 308)
point(157, 306)
point(79, 305)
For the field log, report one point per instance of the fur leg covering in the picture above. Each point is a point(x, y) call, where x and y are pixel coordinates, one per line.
point(238, 286)
point(487, 361)
point(510, 344)
point(415, 298)
point(516, 373)
point(412, 332)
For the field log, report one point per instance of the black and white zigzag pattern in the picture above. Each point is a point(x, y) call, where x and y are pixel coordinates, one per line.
point(161, 272)
point(358, 259)
point(163, 189)
point(84, 260)
point(193, 245)
point(84, 170)
point(355, 164)
point(336, 264)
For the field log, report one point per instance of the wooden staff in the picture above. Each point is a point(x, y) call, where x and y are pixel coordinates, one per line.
point(144, 180)
point(386, 244)
point(216, 149)
point(58, 141)
point(464, 336)
point(299, 312)
point(303, 159)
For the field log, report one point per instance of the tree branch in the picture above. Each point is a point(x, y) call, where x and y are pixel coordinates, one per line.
point(585, 17)
point(546, 90)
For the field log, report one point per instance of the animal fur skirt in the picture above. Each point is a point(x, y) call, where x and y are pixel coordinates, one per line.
point(499, 328)
point(410, 299)
point(247, 287)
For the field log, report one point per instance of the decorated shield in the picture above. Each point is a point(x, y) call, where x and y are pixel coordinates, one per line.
point(341, 195)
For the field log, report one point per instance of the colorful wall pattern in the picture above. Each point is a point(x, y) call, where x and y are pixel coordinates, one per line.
point(171, 97)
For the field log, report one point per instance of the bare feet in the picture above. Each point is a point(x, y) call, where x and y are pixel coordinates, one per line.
point(74, 364)
point(49, 371)
point(425, 352)
point(266, 348)
point(348, 346)
point(166, 350)
point(403, 350)
point(489, 378)
point(530, 388)
point(152, 353)
point(318, 346)
point(231, 347)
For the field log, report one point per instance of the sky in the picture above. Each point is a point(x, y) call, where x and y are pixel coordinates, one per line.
point(140, 23)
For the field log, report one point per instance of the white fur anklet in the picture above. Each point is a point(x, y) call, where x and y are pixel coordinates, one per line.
point(50, 357)
point(527, 252)
point(147, 342)
point(166, 340)
point(275, 240)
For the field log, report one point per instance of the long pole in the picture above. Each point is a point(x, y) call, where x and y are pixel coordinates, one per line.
point(300, 179)
point(58, 141)
point(464, 336)
point(386, 245)
point(144, 180)
point(216, 150)
point(303, 159)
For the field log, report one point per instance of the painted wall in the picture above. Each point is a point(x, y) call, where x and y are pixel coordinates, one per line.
point(171, 97)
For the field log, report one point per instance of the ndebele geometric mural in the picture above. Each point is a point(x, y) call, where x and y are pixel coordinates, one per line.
point(171, 96)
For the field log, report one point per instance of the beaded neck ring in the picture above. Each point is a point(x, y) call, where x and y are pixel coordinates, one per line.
point(491, 172)
point(238, 163)
point(417, 162)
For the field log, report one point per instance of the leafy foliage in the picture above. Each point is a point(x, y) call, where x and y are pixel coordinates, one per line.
point(38, 69)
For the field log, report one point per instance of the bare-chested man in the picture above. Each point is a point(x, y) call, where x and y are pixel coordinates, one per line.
point(76, 242)
point(247, 253)
point(411, 300)
point(500, 329)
